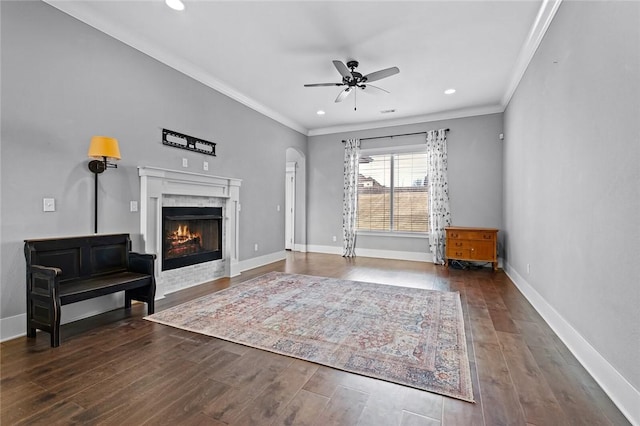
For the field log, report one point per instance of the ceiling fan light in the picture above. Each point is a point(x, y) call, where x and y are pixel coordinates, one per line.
point(175, 4)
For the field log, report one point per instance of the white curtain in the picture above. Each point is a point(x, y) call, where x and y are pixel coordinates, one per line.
point(350, 200)
point(439, 214)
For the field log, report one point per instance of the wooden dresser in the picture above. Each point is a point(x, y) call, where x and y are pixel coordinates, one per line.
point(472, 244)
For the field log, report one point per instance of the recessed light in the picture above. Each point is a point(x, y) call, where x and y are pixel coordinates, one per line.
point(320, 112)
point(175, 4)
point(450, 91)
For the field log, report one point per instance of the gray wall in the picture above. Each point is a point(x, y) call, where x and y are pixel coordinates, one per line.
point(572, 176)
point(475, 179)
point(62, 82)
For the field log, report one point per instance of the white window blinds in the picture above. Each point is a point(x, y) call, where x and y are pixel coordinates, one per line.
point(392, 192)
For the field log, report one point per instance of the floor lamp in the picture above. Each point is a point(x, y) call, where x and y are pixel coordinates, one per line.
point(102, 148)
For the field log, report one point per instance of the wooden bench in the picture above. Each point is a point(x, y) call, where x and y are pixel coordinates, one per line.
point(67, 270)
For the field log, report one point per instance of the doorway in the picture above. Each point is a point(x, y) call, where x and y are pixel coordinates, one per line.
point(290, 206)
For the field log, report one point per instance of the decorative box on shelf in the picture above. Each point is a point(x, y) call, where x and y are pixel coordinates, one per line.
point(472, 244)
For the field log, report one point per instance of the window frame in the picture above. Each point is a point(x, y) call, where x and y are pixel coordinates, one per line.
point(402, 149)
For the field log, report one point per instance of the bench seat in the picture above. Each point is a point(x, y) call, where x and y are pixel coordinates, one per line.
point(77, 290)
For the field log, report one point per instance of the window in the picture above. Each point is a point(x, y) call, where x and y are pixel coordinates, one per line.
point(392, 192)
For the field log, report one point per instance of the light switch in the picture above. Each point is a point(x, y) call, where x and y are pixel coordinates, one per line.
point(133, 206)
point(205, 166)
point(185, 162)
point(49, 204)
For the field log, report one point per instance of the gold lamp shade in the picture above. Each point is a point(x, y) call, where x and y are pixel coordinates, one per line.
point(104, 146)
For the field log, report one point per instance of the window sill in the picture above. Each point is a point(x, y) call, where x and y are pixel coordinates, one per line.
point(422, 235)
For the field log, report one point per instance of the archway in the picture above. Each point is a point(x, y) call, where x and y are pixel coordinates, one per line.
point(295, 201)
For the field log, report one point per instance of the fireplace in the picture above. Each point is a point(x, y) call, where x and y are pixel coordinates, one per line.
point(190, 235)
point(164, 188)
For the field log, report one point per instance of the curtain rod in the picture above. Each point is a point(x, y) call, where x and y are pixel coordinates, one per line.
point(394, 136)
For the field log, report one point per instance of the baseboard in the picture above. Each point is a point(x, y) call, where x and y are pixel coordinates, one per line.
point(16, 326)
point(376, 253)
point(396, 255)
point(324, 249)
point(12, 327)
point(621, 392)
point(300, 247)
point(255, 262)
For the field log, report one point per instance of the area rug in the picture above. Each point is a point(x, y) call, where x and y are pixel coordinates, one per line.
point(409, 336)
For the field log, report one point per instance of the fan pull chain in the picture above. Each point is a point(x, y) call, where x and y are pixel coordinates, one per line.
point(355, 97)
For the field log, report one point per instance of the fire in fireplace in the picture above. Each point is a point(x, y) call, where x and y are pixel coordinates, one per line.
point(191, 235)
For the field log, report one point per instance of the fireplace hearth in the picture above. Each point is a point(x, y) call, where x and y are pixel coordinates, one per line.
point(191, 235)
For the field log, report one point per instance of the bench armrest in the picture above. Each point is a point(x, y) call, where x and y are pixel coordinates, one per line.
point(44, 280)
point(43, 301)
point(142, 263)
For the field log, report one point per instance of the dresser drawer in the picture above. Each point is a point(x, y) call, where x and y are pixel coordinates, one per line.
point(458, 253)
point(471, 235)
point(459, 244)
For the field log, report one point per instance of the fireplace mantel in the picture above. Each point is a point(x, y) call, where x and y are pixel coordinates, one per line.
point(157, 183)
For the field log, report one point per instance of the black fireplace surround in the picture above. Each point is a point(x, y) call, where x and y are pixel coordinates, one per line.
point(190, 235)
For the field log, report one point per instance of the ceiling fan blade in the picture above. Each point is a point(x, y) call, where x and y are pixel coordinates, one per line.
point(378, 75)
point(322, 84)
point(373, 90)
point(341, 97)
point(342, 69)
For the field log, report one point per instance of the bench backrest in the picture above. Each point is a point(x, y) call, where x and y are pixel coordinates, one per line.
point(80, 257)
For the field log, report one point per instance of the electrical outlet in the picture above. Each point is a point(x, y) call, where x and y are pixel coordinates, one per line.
point(255, 247)
point(205, 166)
point(185, 162)
point(133, 206)
point(278, 207)
point(528, 268)
point(48, 204)
point(335, 239)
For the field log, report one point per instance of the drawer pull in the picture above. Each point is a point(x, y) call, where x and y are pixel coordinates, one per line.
point(487, 236)
point(459, 244)
point(454, 235)
point(458, 253)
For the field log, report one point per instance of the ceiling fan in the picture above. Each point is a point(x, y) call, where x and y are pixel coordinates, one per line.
point(353, 79)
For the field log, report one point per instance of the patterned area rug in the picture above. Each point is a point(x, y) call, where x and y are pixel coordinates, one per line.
point(403, 335)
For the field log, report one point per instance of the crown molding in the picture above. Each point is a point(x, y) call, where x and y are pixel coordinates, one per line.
point(544, 17)
point(76, 10)
point(547, 11)
point(445, 115)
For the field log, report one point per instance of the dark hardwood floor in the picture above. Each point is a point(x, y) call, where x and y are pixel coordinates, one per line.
point(117, 368)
